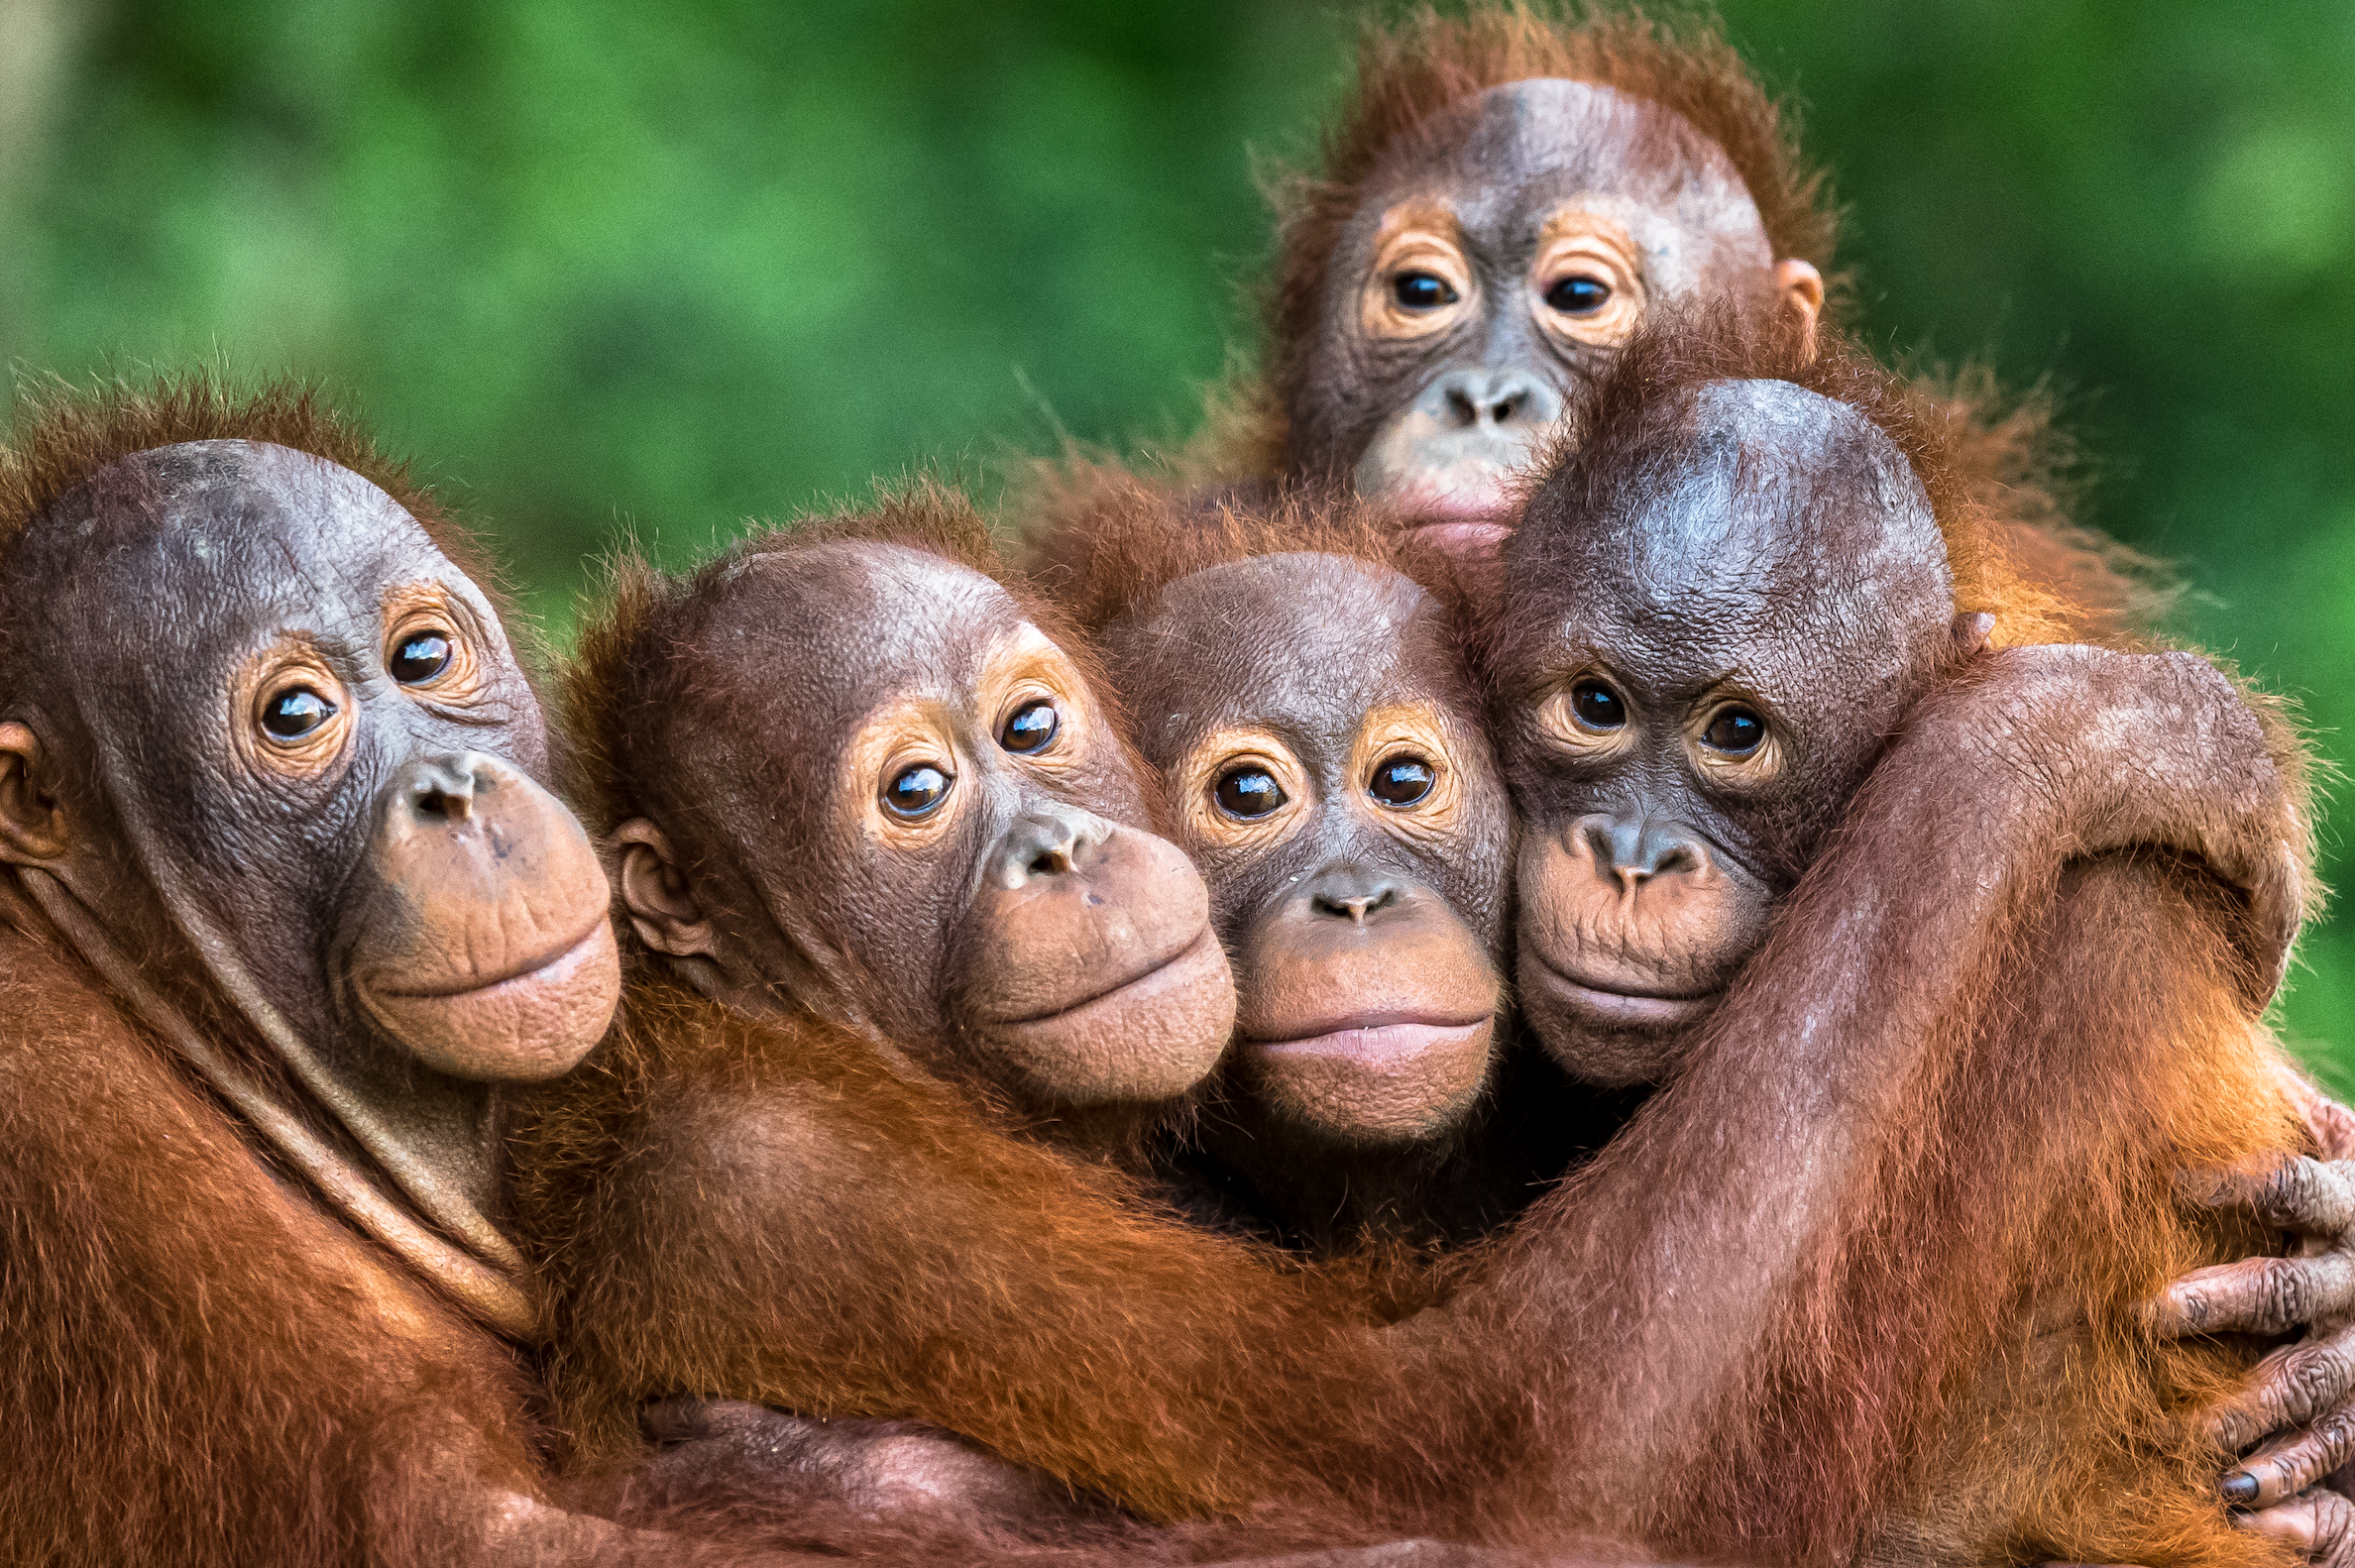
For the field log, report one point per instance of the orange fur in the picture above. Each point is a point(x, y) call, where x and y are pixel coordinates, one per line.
point(195, 1364)
point(855, 1242)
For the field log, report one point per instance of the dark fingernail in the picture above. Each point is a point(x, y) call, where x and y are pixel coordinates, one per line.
point(2240, 1487)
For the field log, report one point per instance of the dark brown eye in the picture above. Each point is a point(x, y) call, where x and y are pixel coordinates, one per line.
point(296, 712)
point(1736, 729)
point(1421, 291)
point(1248, 791)
point(1401, 781)
point(917, 790)
point(1597, 705)
point(1577, 295)
point(420, 658)
point(1030, 728)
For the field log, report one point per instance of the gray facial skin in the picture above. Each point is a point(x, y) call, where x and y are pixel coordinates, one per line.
point(1768, 553)
point(1363, 907)
point(377, 888)
point(1558, 216)
point(1019, 924)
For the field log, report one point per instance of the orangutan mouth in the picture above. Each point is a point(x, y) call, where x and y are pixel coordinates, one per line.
point(1617, 1008)
point(1471, 521)
point(1386, 1042)
point(1173, 976)
point(556, 965)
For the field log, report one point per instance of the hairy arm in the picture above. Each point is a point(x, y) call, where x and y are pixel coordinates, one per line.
point(1647, 1276)
point(794, 1226)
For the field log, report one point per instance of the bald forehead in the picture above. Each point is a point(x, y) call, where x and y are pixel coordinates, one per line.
point(1553, 139)
point(235, 537)
point(206, 505)
point(1760, 512)
point(1773, 482)
point(874, 615)
point(1285, 636)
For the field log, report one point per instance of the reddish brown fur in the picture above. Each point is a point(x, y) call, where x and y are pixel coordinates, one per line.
point(927, 1264)
point(2100, 1042)
point(196, 1364)
point(199, 1367)
point(837, 1239)
point(2006, 457)
point(949, 1272)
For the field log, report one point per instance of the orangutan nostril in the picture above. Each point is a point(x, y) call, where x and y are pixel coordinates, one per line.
point(451, 806)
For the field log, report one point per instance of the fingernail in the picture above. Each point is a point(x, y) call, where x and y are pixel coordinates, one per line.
point(2240, 1487)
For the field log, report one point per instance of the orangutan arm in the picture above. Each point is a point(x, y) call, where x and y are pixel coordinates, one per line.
point(798, 1228)
point(1649, 1273)
point(2303, 1397)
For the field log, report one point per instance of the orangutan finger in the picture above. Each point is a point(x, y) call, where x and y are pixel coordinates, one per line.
point(2309, 1196)
point(2257, 1295)
point(2288, 1465)
point(2288, 1389)
point(2330, 1124)
point(2317, 1524)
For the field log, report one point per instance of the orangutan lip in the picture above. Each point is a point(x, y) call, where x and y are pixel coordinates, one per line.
point(1635, 1009)
point(1190, 951)
point(568, 954)
point(1378, 1044)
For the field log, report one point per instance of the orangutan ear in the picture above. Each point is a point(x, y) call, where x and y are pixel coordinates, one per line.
point(1802, 289)
point(33, 828)
point(661, 904)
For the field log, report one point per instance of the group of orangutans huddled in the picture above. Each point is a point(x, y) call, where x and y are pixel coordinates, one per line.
point(1591, 932)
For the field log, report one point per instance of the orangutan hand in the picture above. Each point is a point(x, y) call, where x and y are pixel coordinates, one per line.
point(2317, 1523)
point(2300, 1402)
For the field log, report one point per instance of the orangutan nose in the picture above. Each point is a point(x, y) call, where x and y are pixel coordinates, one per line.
point(1468, 400)
point(1352, 893)
point(1638, 849)
point(1048, 840)
point(442, 789)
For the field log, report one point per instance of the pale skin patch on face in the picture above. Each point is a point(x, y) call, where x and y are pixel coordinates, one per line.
point(1025, 668)
point(896, 741)
point(427, 608)
point(1395, 732)
point(1419, 236)
point(289, 666)
point(951, 733)
point(1726, 768)
point(1208, 829)
point(1557, 722)
point(1582, 242)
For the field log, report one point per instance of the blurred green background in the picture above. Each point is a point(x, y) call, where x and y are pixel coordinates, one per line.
point(606, 264)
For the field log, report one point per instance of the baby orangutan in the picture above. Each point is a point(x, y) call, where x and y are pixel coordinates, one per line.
point(852, 777)
point(1304, 704)
point(1715, 613)
point(1335, 789)
point(766, 1207)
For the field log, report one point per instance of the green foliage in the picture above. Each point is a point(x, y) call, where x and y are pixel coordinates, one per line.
point(608, 264)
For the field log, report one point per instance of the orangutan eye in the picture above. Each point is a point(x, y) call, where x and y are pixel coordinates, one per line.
point(1401, 781)
point(1734, 730)
point(420, 658)
point(1597, 705)
point(1248, 791)
point(917, 790)
point(1578, 294)
point(1030, 728)
point(1421, 291)
point(296, 712)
